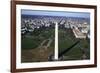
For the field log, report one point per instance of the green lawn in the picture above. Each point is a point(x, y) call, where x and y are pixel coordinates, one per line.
point(30, 42)
point(34, 39)
point(66, 39)
point(32, 51)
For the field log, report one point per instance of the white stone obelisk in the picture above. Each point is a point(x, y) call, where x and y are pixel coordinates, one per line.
point(56, 42)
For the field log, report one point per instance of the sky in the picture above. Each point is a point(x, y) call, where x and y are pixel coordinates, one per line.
point(55, 13)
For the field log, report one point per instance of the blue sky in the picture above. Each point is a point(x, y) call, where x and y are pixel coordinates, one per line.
point(56, 13)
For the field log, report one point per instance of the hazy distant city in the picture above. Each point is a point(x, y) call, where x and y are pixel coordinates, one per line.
point(30, 22)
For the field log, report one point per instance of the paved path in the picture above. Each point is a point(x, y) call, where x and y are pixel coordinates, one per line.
point(42, 43)
point(49, 43)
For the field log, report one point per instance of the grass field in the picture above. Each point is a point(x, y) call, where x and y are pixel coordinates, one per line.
point(34, 45)
point(66, 39)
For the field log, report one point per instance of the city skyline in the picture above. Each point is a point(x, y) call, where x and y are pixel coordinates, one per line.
point(55, 13)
